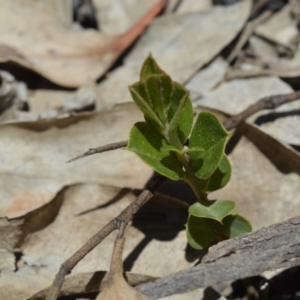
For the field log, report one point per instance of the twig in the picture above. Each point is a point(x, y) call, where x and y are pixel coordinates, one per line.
point(118, 222)
point(101, 149)
point(270, 102)
point(268, 248)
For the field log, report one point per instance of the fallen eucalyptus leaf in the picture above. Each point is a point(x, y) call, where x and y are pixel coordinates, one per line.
point(33, 157)
point(177, 36)
point(66, 56)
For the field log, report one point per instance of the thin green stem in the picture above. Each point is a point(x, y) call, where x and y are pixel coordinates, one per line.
point(191, 179)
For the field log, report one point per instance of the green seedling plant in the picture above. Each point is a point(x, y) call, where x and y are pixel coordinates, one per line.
point(181, 148)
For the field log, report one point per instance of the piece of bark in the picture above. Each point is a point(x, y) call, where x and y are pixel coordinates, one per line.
point(273, 247)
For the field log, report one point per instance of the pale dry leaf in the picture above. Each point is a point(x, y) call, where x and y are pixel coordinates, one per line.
point(12, 93)
point(207, 78)
point(178, 45)
point(33, 157)
point(195, 294)
point(262, 193)
point(236, 95)
point(14, 231)
point(85, 283)
point(62, 9)
point(264, 50)
point(282, 67)
point(114, 283)
point(116, 17)
point(281, 28)
point(85, 209)
point(46, 104)
point(193, 6)
point(64, 55)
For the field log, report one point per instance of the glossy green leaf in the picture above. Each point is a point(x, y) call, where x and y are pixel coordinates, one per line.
point(139, 96)
point(167, 147)
point(159, 88)
point(233, 225)
point(200, 232)
point(208, 133)
point(180, 114)
point(186, 121)
point(150, 67)
point(147, 144)
point(219, 178)
point(217, 209)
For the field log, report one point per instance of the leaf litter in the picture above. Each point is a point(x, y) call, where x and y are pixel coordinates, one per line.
point(49, 209)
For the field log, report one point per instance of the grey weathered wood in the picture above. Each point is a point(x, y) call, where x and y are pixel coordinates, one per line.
point(273, 247)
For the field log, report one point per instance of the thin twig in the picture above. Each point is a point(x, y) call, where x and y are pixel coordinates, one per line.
point(118, 222)
point(270, 102)
point(101, 149)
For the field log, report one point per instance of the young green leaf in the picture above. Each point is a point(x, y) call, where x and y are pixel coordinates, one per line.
point(233, 225)
point(219, 178)
point(180, 113)
point(200, 232)
point(217, 209)
point(208, 133)
point(150, 67)
point(159, 88)
point(139, 96)
point(185, 121)
point(147, 144)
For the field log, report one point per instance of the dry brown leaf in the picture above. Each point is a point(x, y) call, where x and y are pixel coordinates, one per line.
point(33, 157)
point(66, 56)
point(234, 96)
point(85, 209)
point(181, 44)
point(262, 193)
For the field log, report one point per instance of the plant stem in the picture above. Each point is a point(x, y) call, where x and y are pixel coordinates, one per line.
point(191, 179)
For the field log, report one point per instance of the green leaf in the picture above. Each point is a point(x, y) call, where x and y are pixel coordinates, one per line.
point(233, 225)
point(200, 232)
point(159, 88)
point(137, 90)
point(180, 113)
point(185, 121)
point(147, 144)
point(216, 209)
point(167, 147)
point(208, 133)
point(150, 67)
point(219, 178)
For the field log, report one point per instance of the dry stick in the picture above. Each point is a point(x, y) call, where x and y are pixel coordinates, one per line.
point(101, 149)
point(273, 247)
point(118, 222)
point(270, 102)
